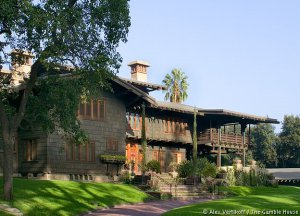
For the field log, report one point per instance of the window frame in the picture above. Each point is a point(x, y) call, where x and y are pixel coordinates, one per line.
point(100, 114)
point(30, 150)
point(112, 145)
point(75, 151)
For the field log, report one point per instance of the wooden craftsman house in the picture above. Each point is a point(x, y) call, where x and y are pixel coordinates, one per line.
point(113, 124)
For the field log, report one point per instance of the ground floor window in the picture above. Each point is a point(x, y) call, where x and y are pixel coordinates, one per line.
point(81, 152)
point(178, 157)
point(111, 145)
point(30, 150)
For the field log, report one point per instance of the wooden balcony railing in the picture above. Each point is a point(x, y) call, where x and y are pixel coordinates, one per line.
point(211, 136)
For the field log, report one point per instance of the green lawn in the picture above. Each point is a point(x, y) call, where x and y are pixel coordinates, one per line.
point(34, 197)
point(2, 213)
point(248, 200)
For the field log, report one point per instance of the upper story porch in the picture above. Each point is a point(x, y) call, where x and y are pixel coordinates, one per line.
point(213, 137)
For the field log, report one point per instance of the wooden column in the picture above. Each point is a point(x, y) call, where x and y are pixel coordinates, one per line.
point(219, 157)
point(243, 128)
point(144, 140)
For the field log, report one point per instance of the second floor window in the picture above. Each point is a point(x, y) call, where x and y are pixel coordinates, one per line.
point(134, 121)
point(174, 126)
point(94, 110)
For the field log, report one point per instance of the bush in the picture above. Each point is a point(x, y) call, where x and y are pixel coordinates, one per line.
point(185, 169)
point(210, 170)
point(125, 177)
point(154, 166)
point(242, 178)
point(230, 177)
point(173, 166)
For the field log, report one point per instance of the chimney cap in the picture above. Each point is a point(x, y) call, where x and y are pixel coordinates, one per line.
point(139, 62)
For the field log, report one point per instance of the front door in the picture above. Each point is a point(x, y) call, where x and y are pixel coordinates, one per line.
point(133, 156)
point(159, 156)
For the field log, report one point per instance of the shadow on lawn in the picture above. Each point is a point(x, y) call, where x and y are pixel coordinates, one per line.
point(43, 198)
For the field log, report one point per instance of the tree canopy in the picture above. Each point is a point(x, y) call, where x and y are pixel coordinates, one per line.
point(77, 38)
point(263, 147)
point(288, 148)
point(177, 86)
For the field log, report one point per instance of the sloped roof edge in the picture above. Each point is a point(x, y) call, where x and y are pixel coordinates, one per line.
point(144, 84)
point(135, 90)
point(239, 114)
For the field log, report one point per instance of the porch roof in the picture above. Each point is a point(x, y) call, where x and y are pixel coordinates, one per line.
point(243, 116)
point(226, 115)
point(177, 107)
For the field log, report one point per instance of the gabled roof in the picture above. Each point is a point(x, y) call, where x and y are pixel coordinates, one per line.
point(135, 90)
point(145, 86)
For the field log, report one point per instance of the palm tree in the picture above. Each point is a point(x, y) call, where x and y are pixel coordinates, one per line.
point(177, 86)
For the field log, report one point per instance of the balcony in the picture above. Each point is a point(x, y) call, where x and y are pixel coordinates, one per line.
point(228, 140)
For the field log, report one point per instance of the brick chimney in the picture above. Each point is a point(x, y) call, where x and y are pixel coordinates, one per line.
point(139, 70)
point(21, 65)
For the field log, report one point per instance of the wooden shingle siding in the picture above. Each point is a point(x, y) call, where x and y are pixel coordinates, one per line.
point(112, 128)
point(32, 152)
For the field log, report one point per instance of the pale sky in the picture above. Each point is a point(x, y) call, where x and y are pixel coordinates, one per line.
point(241, 55)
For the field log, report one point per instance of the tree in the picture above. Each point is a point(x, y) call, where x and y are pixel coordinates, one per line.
point(264, 144)
point(177, 86)
point(82, 35)
point(288, 148)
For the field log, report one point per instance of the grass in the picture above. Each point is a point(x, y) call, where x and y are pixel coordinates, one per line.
point(38, 197)
point(248, 200)
point(2, 213)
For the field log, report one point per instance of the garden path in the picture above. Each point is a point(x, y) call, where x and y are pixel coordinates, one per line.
point(144, 209)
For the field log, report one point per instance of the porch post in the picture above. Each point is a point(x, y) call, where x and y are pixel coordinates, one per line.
point(219, 158)
point(243, 127)
point(144, 140)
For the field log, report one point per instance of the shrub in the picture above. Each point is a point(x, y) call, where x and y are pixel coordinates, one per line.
point(185, 169)
point(125, 177)
point(242, 178)
point(230, 177)
point(210, 170)
point(238, 177)
point(173, 166)
point(154, 166)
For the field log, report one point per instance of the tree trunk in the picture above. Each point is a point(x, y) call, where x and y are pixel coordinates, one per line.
point(9, 126)
point(8, 161)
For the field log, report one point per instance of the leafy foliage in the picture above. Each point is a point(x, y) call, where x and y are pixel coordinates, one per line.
point(206, 168)
point(154, 166)
point(203, 168)
point(264, 144)
point(185, 169)
point(288, 149)
point(177, 86)
point(113, 158)
point(74, 43)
